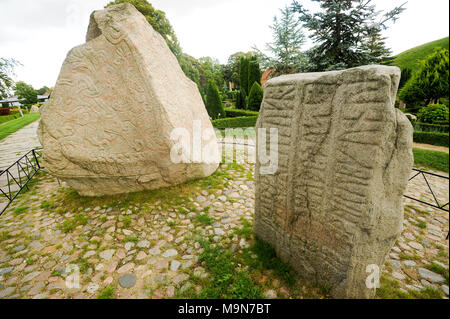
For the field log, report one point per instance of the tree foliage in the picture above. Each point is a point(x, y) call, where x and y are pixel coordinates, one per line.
point(343, 30)
point(214, 104)
point(375, 47)
point(430, 82)
point(232, 68)
point(433, 113)
point(26, 93)
point(254, 73)
point(6, 73)
point(255, 97)
point(241, 99)
point(43, 90)
point(285, 55)
point(243, 73)
point(191, 67)
point(157, 20)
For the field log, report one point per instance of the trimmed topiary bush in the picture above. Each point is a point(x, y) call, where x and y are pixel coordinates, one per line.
point(241, 99)
point(214, 104)
point(255, 97)
point(254, 74)
point(243, 74)
point(433, 113)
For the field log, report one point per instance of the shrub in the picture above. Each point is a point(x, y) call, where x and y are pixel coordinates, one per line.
point(248, 121)
point(438, 139)
point(240, 113)
point(214, 104)
point(433, 113)
point(255, 97)
point(5, 111)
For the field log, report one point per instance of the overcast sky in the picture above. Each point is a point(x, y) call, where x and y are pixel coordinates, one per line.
point(39, 33)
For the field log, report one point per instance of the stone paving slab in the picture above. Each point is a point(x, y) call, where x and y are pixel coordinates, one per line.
point(18, 144)
point(148, 250)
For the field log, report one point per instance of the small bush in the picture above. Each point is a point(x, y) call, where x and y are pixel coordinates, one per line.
point(255, 97)
point(248, 121)
point(433, 113)
point(438, 139)
point(5, 111)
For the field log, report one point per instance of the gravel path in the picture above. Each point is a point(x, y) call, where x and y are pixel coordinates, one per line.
point(431, 147)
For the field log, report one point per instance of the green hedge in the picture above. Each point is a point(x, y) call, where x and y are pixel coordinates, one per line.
point(240, 113)
point(248, 121)
point(425, 127)
point(438, 139)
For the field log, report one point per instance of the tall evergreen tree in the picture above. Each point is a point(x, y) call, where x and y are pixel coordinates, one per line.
point(243, 73)
point(285, 54)
point(254, 73)
point(214, 104)
point(375, 47)
point(340, 31)
point(430, 82)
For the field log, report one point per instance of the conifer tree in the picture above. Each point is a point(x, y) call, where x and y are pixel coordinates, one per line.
point(255, 97)
point(340, 31)
point(430, 82)
point(214, 104)
point(243, 73)
point(254, 73)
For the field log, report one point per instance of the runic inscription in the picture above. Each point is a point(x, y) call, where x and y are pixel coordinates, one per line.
point(107, 128)
point(334, 207)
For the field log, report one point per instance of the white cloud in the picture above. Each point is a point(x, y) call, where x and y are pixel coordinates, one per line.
point(40, 33)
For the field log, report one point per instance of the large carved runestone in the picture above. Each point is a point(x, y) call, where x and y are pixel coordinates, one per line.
point(333, 210)
point(107, 128)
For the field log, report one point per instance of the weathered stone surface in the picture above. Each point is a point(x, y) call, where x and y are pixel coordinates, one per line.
point(107, 127)
point(34, 109)
point(334, 206)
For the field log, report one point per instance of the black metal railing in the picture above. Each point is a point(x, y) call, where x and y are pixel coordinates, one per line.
point(23, 170)
point(17, 176)
point(435, 204)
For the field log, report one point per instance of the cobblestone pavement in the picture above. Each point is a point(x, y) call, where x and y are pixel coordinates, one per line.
point(149, 245)
point(18, 144)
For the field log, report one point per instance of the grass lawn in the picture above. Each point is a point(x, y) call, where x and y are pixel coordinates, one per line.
point(10, 127)
point(7, 118)
point(431, 159)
